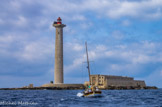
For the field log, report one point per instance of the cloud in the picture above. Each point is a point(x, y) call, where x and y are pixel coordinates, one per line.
point(86, 25)
point(144, 9)
point(148, 9)
point(151, 81)
point(27, 49)
point(161, 73)
point(101, 48)
point(36, 50)
point(73, 56)
point(33, 16)
point(117, 34)
point(137, 60)
point(133, 57)
point(1, 22)
point(22, 21)
point(9, 41)
point(6, 39)
point(78, 17)
point(18, 14)
point(126, 23)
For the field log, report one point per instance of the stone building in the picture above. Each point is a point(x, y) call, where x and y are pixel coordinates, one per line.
point(103, 81)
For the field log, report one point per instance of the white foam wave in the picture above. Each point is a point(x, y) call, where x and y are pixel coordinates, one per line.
point(80, 94)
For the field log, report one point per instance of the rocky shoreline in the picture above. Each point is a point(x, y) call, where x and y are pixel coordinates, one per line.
point(129, 88)
point(78, 88)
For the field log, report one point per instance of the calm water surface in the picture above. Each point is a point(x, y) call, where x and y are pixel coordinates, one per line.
point(69, 98)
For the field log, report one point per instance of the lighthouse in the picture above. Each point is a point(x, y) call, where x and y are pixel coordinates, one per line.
point(59, 70)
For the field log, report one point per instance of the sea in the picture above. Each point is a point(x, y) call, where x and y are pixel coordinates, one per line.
point(72, 98)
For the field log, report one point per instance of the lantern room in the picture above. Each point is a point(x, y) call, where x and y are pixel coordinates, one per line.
point(59, 20)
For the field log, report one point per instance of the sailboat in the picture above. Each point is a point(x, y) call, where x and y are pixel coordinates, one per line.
point(91, 90)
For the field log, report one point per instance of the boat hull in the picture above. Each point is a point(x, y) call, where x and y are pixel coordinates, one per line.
point(93, 94)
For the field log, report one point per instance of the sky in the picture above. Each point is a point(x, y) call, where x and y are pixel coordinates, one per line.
point(124, 38)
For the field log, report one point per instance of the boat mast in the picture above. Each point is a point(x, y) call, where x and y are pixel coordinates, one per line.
point(88, 67)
